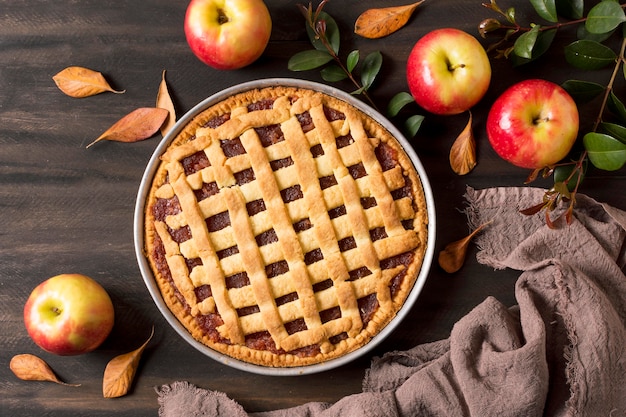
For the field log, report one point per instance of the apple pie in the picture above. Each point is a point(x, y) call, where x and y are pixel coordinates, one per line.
point(285, 227)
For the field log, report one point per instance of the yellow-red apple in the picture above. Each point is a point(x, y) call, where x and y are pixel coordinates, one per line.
point(533, 124)
point(227, 34)
point(69, 314)
point(448, 71)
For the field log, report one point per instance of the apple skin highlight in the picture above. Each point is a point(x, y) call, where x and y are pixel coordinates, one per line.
point(69, 314)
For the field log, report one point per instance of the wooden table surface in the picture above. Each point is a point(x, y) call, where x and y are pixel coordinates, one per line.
point(65, 208)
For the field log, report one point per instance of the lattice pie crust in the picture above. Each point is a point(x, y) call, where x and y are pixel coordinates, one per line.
point(285, 227)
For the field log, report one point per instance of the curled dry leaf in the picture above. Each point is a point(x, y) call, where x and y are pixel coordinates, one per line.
point(80, 82)
point(164, 101)
point(32, 368)
point(463, 151)
point(377, 23)
point(120, 372)
point(137, 125)
point(452, 257)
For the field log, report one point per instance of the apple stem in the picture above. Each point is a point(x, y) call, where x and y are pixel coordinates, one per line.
point(222, 17)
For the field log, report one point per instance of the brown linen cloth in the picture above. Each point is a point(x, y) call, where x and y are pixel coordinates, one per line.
point(561, 351)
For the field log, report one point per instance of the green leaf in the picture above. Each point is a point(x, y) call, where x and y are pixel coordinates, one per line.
point(333, 73)
point(413, 124)
point(615, 130)
point(583, 33)
point(525, 44)
point(510, 14)
point(589, 55)
point(605, 152)
point(332, 34)
point(544, 40)
point(308, 60)
point(572, 9)
point(562, 188)
point(615, 105)
point(371, 67)
point(398, 102)
point(352, 60)
point(583, 91)
point(358, 91)
point(562, 173)
point(604, 17)
point(315, 41)
point(546, 9)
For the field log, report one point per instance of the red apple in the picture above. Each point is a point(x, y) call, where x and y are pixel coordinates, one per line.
point(533, 124)
point(227, 34)
point(448, 71)
point(69, 314)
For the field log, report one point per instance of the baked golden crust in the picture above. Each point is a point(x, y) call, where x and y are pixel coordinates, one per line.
point(285, 227)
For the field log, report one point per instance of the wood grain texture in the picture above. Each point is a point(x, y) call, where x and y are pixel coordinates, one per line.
point(64, 208)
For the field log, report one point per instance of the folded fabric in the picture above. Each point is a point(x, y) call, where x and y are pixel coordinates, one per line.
point(559, 352)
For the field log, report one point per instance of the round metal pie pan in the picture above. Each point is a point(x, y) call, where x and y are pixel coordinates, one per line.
point(148, 276)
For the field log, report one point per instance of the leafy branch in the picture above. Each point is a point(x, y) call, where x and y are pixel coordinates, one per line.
point(373, 23)
point(604, 146)
point(323, 33)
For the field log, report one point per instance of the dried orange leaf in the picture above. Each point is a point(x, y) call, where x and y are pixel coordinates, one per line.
point(120, 372)
point(452, 257)
point(377, 23)
point(164, 101)
point(80, 82)
point(137, 125)
point(463, 151)
point(32, 368)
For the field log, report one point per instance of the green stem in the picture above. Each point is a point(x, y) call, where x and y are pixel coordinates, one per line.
point(322, 37)
point(579, 164)
point(348, 73)
point(519, 28)
point(609, 87)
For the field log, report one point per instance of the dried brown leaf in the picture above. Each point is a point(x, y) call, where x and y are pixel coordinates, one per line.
point(534, 174)
point(32, 368)
point(164, 101)
point(529, 211)
point(380, 22)
point(120, 372)
point(80, 82)
point(463, 151)
point(137, 125)
point(452, 257)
